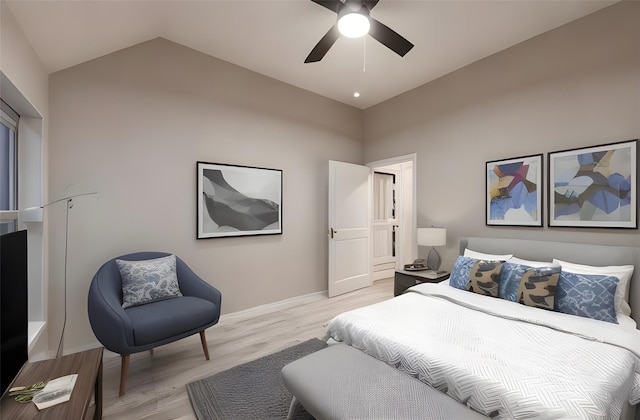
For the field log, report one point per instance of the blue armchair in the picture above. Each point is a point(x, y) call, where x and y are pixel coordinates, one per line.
point(144, 327)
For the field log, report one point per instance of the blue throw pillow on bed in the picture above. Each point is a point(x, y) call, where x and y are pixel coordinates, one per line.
point(587, 295)
point(510, 280)
point(459, 276)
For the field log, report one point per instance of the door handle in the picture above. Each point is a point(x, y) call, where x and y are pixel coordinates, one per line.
point(332, 232)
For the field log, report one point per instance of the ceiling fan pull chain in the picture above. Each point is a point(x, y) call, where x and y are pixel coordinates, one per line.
point(364, 54)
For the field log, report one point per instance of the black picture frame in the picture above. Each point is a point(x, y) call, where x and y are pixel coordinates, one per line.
point(236, 200)
point(594, 187)
point(514, 191)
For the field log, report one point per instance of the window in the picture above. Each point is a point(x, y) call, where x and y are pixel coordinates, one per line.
point(8, 169)
point(21, 180)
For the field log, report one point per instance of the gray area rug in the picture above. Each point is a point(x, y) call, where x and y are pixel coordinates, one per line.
point(253, 390)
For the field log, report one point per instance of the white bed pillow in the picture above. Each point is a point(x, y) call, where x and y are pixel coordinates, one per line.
point(623, 272)
point(530, 263)
point(482, 256)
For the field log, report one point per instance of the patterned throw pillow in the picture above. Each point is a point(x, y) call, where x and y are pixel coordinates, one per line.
point(538, 287)
point(510, 277)
point(460, 272)
point(587, 295)
point(147, 281)
point(623, 272)
point(484, 278)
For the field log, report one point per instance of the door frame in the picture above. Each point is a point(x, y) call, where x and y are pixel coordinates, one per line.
point(375, 223)
point(407, 250)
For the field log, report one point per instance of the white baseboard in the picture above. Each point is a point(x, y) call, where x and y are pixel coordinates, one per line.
point(275, 306)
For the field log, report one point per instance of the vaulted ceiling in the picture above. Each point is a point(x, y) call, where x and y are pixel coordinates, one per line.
point(273, 37)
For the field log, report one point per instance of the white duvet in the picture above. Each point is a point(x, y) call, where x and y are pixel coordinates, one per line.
point(501, 358)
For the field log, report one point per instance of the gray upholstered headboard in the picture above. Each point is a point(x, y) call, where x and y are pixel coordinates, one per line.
point(573, 252)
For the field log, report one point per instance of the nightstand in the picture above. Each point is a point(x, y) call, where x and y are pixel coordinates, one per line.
point(404, 279)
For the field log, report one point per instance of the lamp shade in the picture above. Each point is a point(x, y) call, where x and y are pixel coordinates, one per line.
point(432, 236)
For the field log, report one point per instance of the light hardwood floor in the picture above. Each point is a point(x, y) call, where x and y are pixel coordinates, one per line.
point(156, 386)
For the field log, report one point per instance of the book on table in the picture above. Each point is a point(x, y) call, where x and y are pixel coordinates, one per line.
point(55, 392)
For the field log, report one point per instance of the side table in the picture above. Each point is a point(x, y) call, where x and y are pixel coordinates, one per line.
point(87, 364)
point(404, 279)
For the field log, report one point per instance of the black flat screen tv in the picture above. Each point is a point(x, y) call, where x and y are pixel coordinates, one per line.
point(14, 323)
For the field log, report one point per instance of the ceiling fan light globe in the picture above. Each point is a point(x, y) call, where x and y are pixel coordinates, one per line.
point(354, 25)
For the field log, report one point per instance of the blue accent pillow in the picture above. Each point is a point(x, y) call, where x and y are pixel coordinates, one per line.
point(510, 280)
point(460, 272)
point(587, 295)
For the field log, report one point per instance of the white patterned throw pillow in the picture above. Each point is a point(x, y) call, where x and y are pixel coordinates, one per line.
point(147, 281)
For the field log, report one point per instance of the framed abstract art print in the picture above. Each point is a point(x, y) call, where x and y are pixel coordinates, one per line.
point(594, 187)
point(237, 200)
point(514, 191)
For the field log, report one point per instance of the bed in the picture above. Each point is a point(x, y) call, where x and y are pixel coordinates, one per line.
point(505, 359)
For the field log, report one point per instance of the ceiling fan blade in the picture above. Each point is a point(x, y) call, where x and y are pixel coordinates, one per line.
point(323, 46)
point(390, 38)
point(333, 5)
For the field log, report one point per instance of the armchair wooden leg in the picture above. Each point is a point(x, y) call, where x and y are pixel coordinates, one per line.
point(124, 373)
point(203, 339)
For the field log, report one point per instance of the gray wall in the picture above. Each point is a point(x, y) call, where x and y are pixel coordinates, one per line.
point(576, 86)
point(131, 126)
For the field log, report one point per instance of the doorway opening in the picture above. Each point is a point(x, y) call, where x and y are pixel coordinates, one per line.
point(394, 215)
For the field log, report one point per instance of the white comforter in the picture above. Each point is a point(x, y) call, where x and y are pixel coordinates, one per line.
point(501, 358)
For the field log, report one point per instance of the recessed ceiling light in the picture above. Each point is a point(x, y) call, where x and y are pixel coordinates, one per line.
point(356, 94)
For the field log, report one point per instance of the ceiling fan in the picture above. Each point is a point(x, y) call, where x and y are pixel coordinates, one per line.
point(357, 10)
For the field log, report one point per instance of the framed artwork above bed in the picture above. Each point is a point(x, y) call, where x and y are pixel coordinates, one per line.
point(514, 191)
point(594, 187)
point(237, 200)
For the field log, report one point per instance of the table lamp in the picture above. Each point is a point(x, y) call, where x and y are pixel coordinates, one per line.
point(432, 237)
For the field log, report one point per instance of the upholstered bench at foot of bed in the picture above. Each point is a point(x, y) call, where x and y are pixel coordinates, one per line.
point(341, 382)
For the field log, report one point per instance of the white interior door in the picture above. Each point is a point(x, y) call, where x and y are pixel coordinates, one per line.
point(349, 227)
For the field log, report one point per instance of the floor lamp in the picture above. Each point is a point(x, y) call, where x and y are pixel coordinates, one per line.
point(69, 201)
point(432, 237)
